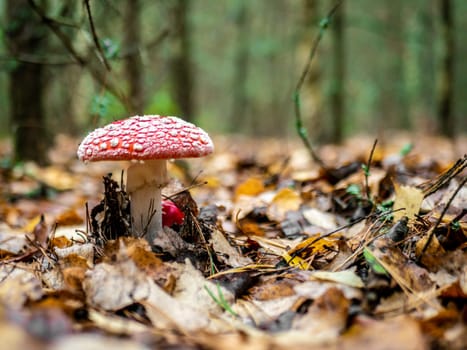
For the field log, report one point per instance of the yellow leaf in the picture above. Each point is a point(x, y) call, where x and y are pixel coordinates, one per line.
point(304, 254)
point(408, 199)
point(250, 187)
point(285, 200)
point(295, 261)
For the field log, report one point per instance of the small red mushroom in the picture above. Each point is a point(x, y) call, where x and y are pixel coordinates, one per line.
point(171, 214)
point(147, 141)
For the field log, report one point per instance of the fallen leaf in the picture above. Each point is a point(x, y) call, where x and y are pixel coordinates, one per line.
point(229, 255)
point(19, 284)
point(320, 218)
point(113, 287)
point(283, 201)
point(250, 187)
point(346, 277)
point(408, 199)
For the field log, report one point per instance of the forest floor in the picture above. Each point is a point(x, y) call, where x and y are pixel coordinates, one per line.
point(274, 252)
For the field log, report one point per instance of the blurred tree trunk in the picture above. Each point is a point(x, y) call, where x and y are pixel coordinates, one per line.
point(239, 88)
point(134, 64)
point(26, 35)
point(446, 84)
point(420, 71)
point(312, 98)
point(59, 102)
point(338, 87)
point(182, 75)
point(394, 107)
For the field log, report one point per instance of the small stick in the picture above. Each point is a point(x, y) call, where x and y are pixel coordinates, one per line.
point(432, 230)
point(367, 170)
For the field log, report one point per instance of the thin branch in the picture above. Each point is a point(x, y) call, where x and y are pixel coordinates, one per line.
point(367, 170)
point(57, 31)
point(432, 186)
point(61, 60)
point(302, 132)
point(65, 40)
point(432, 230)
point(34, 59)
point(148, 46)
point(95, 38)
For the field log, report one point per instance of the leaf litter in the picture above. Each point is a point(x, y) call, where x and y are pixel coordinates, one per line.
point(272, 252)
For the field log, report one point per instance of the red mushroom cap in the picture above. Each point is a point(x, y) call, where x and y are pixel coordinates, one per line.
point(171, 214)
point(144, 138)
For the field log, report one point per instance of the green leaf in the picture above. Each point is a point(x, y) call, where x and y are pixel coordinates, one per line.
point(355, 190)
point(366, 170)
point(324, 23)
point(220, 300)
point(406, 149)
point(374, 264)
point(107, 107)
point(110, 47)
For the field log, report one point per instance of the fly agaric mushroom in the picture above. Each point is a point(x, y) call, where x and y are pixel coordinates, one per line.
point(146, 141)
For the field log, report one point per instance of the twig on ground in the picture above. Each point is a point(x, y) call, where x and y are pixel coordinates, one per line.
point(366, 169)
point(431, 232)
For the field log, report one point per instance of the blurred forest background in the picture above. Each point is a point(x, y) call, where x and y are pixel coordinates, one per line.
point(231, 66)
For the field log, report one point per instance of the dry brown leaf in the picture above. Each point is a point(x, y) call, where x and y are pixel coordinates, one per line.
point(19, 284)
point(15, 337)
point(319, 218)
point(409, 199)
point(327, 316)
point(283, 201)
point(54, 176)
point(401, 333)
point(229, 255)
point(99, 341)
point(113, 287)
point(272, 289)
point(69, 217)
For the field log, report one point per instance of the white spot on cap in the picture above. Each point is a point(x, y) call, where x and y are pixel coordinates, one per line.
point(103, 145)
point(114, 142)
point(137, 147)
point(89, 152)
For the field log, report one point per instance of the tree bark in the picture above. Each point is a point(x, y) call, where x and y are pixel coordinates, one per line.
point(446, 85)
point(239, 88)
point(338, 80)
point(26, 35)
point(134, 64)
point(393, 100)
point(312, 101)
point(182, 75)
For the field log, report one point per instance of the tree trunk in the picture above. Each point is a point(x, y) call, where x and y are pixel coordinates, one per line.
point(181, 69)
point(312, 100)
point(338, 88)
point(393, 99)
point(239, 88)
point(134, 64)
point(26, 35)
point(446, 84)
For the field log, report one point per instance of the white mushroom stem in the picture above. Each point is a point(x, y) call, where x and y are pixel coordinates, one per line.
point(144, 183)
